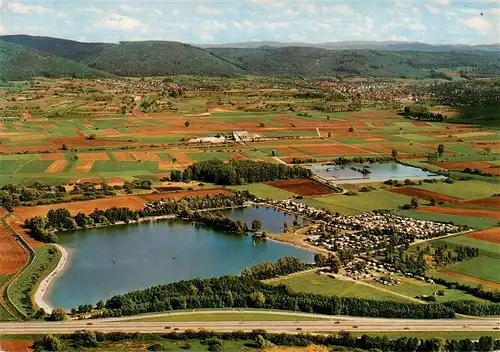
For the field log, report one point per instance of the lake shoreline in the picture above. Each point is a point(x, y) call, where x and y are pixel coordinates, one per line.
point(44, 285)
point(43, 297)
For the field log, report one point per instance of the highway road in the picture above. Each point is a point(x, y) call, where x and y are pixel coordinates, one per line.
point(334, 324)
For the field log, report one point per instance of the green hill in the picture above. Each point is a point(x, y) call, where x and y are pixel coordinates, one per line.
point(20, 63)
point(157, 58)
point(320, 62)
point(145, 58)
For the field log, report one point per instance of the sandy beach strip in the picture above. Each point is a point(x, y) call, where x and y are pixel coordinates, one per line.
point(44, 285)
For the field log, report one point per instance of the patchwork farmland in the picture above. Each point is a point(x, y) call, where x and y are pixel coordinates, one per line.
point(91, 145)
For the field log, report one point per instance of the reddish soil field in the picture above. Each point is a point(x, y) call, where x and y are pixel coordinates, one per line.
point(133, 202)
point(423, 194)
point(123, 156)
point(304, 187)
point(491, 170)
point(85, 166)
point(56, 166)
point(420, 123)
point(52, 156)
point(470, 278)
point(145, 156)
point(460, 165)
point(93, 156)
point(491, 202)
point(16, 346)
point(291, 152)
point(181, 157)
point(480, 213)
point(490, 235)
point(12, 256)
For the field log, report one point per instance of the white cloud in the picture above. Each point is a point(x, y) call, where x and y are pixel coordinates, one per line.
point(206, 37)
point(248, 24)
point(442, 2)
point(212, 26)
point(116, 21)
point(416, 26)
point(399, 38)
point(323, 26)
point(158, 12)
point(276, 25)
point(477, 23)
point(176, 12)
point(130, 9)
point(309, 8)
point(204, 10)
point(17, 7)
point(92, 10)
point(342, 9)
point(433, 9)
point(237, 25)
point(415, 11)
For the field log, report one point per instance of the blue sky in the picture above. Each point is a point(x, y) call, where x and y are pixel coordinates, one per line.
point(430, 21)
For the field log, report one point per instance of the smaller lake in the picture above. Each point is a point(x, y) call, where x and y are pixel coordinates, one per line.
point(144, 255)
point(379, 172)
point(272, 220)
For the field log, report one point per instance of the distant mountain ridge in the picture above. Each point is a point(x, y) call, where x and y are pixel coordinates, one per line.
point(345, 45)
point(54, 57)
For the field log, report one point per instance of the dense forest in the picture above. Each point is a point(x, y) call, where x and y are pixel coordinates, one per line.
point(247, 292)
point(42, 227)
point(239, 172)
point(53, 57)
point(262, 339)
point(468, 94)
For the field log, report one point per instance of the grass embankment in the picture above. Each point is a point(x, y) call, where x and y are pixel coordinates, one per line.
point(310, 282)
point(4, 314)
point(22, 289)
point(264, 316)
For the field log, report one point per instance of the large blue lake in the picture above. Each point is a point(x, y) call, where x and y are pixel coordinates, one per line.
point(144, 255)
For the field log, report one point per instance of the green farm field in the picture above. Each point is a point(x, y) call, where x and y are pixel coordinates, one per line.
point(412, 288)
point(311, 282)
point(363, 201)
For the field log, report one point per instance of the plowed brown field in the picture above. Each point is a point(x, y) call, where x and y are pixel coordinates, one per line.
point(133, 202)
point(84, 166)
point(304, 187)
point(423, 194)
point(490, 235)
point(56, 166)
point(93, 156)
point(460, 165)
point(12, 256)
point(123, 156)
point(15, 346)
point(480, 213)
point(491, 202)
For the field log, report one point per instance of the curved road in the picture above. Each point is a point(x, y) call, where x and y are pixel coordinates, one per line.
point(322, 325)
